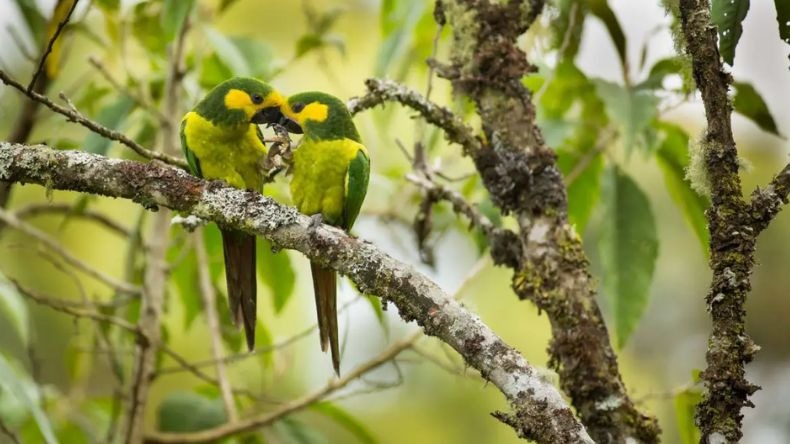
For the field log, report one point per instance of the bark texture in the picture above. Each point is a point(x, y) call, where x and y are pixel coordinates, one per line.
point(539, 411)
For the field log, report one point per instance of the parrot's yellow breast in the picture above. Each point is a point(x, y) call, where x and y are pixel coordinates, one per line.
point(319, 176)
point(229, 153)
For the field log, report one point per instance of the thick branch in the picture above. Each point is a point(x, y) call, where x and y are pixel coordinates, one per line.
point(521, 175)
point(732, 238)
point(542, 413)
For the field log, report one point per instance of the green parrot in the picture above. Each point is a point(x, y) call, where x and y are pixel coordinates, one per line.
point(330, 169)
point(221, 140)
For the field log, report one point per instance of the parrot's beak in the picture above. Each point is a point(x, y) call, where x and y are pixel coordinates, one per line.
point(270, 114)
point(291, 125)
point(273, 114)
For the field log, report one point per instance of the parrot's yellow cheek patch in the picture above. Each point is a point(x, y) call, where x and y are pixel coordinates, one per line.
point(238, 99)
point(314, 111)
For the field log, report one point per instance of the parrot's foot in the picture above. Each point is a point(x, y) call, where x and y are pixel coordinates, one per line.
point(316, 220)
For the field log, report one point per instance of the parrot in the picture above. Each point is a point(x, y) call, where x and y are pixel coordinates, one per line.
point(330, 173)
point(221, 140)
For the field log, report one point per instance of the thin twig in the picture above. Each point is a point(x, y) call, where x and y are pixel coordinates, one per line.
point(50, 44)
point(8, 432)
point(604, 137)
point(75, 116)
point(141, 100)
point(460, 205)
point(38, 209)
point(185, 365)
point(76, 312)
point(261, 420)
point(381, 91)
point(155, 280)
point(210, 309)
point(52, 245)
point(416, 297)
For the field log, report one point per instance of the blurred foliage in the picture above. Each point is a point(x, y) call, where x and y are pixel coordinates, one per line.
point(615, 138)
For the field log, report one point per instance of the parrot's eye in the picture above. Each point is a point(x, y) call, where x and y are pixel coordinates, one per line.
point(256, 99)
point(297, 107)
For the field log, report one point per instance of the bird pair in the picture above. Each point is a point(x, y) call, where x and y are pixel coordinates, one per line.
point(222, 141)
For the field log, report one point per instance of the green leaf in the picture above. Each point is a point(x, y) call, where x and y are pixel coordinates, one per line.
point(345, 420)
point(183, 411)
point(14, 309)
point(585, 187)
point(111, 116)
point(685, 403)
point(213, 71)
point(748, 103)
point(108, 5)
point(660, 70)
point(628, 247)
point(147, 26)
point(27, 394)
point(34, 20)
point(224, 5)
point(173, 17)
point(228, 52)
point(263, 339)
point(397, 20)
point(235, 56)
point(673, 159)
point(378, 309)
point(601, 9)
point(727, 15)
point(632, 110)
point(276, 272)
point(567, 27)
point(184, 275)
point(291, 431)
point(783, 19)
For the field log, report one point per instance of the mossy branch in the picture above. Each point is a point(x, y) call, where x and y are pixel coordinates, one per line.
point(539, 411)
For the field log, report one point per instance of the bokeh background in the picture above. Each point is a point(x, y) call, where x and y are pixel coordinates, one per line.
point(419, 399)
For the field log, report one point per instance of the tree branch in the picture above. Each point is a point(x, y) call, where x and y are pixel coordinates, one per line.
point(51, 44)
point(732, 238)
point(542, 414)
point(767, 202)
point(522, 177)
point(112, 282)
point(209, 297)
point(256, 422)
point(75, 116)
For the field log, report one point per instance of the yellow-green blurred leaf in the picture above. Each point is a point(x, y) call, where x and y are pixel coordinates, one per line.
point(276, 272)
point(111, 116)
point(632, 110)
point(628, 248)
point(685, 403)
point(183, 411)
point(173, 17)
point(345, 420)
point(673, 159)
point(601, 9)
point(28, 396)
point(14, 310)
point(750, 104)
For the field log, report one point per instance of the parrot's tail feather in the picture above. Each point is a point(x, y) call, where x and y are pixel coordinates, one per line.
point(325, 287)
point(239, 248)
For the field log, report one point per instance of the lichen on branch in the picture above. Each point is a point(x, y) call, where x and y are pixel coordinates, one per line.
point(539, 411)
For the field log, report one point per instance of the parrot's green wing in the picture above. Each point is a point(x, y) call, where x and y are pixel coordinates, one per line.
point(356, 187)
point(192, 160)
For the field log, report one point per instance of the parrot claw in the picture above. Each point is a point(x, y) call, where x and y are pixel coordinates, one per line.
point(316, 220)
